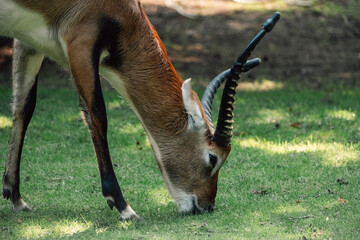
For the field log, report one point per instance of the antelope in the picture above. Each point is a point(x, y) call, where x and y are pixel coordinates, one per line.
point(114, 39)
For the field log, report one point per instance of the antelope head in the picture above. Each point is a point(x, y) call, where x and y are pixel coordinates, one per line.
point(191, 172)
point(190, 161)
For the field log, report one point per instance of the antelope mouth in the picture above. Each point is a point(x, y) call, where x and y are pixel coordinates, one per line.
point(199, 210)
point(190, 205)
point(196, 209)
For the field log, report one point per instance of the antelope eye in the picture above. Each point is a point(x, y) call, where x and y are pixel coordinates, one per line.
point(213, 160)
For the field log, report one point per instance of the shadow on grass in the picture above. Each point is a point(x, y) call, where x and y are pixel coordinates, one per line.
point(295, 189)
point(279, 180)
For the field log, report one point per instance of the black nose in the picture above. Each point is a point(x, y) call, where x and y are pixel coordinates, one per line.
point(196, 210)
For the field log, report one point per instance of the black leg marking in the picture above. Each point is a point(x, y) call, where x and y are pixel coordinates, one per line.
point(86, 76)
point(111, 204)
point(111, 191)
point(109, 30)
point(26, 66)
point(6, 193)
point(30, 104)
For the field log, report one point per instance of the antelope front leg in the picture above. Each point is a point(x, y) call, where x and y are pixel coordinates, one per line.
point(26, 66)
point(83, 53)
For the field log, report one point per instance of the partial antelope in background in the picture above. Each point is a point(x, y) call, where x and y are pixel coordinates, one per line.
point(114, 38)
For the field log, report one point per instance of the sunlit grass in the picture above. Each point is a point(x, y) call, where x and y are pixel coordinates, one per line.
point(263, 85)
point(160, 195)
point(293, 157)
point(266, 115)
point(116, 104)
point(333, 154)
point(343, 114)
point(5, 122)
point(294, 209)
point(131, 128)
point(55, 229)
point(125, 224)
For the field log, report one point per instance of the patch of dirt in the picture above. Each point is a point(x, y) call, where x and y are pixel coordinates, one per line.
point(306, 47)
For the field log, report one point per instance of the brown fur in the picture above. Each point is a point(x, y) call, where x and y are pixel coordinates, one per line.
point(153, 86)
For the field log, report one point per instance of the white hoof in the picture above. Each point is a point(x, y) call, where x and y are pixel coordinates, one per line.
point(20, 205)
point(129, 214)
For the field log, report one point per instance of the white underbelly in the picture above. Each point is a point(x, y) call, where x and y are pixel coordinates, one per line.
point(115, 80)
point(30, 28)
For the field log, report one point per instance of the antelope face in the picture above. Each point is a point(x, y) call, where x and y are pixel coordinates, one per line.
point(191, 173)
point(190, 162)
point(190, 166)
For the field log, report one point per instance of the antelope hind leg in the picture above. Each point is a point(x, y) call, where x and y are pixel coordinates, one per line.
point(26, 65)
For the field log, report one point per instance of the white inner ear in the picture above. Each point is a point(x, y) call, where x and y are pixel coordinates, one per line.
point(191, 106)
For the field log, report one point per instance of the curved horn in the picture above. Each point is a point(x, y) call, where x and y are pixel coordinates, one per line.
point(223, 132)
point(209, 93)
point(214, 85)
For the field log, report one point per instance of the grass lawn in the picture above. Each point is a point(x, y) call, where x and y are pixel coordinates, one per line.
point(293, 173)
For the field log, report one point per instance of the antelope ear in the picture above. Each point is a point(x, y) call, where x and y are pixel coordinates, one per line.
point(192, 105)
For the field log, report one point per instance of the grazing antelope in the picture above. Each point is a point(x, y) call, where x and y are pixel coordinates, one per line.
point(114, 38)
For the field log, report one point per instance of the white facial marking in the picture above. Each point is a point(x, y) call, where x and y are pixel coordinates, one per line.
point(206, 157)
point(186, 202)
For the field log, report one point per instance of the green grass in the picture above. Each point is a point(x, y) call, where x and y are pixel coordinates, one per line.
point(293, 173)
point(339, 8)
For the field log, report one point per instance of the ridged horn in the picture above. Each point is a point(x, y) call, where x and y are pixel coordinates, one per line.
point(214, 85)
point(223, 132)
